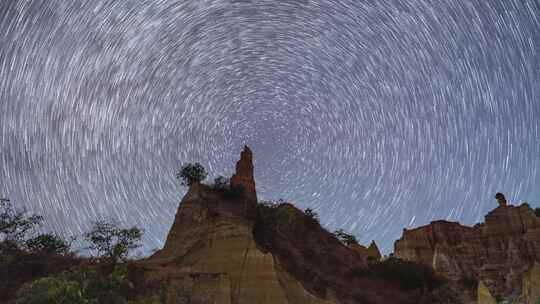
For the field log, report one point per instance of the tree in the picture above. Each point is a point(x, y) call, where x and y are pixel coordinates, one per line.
point(48, 243)
point(191, 173)
point(15, 224)
point(112, 242)
point(346, 238)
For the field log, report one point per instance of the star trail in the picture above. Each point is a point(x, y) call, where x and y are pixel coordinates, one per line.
point(379, 115)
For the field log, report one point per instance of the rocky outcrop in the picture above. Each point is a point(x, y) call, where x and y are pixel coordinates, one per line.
point(369, 254)
point(483, 295)
point(243, 176)
point(223, 247)
point(530, 293)
point(211, 250)
point(373, 252)
point(497, 252)
point(210, 255)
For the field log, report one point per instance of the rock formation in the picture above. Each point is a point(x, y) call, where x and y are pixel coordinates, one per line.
point(216, 252)
point(373, 251)
point(484, 296)
point(243, 176)
point(530, 292)
point(210, 256)
point(369, 254)
point(497, 252)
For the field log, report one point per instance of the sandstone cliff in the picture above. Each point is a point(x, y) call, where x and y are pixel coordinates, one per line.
point(497, 252)
point(210, 255)
point(225, 248)
point(215, 248)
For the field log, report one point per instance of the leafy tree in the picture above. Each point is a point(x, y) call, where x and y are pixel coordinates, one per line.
point(15, 224)
point(312, 214)
point(347, 239)
point(48, 243)
point(191, 173)
point(111, 241)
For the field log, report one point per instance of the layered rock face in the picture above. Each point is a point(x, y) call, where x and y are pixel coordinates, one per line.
point(497, 252)
point(210, 255)
point(530, 292)
point(225, 248)
point(216, 249)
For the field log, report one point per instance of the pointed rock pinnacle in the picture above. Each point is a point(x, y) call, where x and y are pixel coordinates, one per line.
point(373, 251)
point(243, 175)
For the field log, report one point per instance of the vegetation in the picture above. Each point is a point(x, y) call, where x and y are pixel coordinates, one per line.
point(312, 214)
point(16, 224)
point(79, 286)
point(221, 183)
point(111, 241)
point(406, 274)
point(48, 243)
point(41, 269)
point(275, 213)
point(51, 290)
point(224, 188)
point(191, 173)
point(347, 239)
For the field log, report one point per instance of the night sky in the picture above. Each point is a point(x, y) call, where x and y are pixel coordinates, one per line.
point(378, 114)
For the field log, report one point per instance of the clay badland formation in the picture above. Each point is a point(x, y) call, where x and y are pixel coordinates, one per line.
point(234, 250)
point(500, 253)
point(226, 247)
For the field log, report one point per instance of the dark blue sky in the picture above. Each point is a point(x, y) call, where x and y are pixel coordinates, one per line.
point(380, 114)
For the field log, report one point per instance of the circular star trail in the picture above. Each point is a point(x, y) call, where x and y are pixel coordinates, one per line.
point(379, 115)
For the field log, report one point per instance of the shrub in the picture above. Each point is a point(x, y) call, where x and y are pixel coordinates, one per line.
point(47, 243)
point(406, 274)
point(220, 183)
point(191, 173)
point(233, 192)
point(51, 290)
point(111, 241)
point(347, 239)
point(223, 186)
point(275, 213)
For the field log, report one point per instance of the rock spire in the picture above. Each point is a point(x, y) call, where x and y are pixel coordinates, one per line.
point(243, 175)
